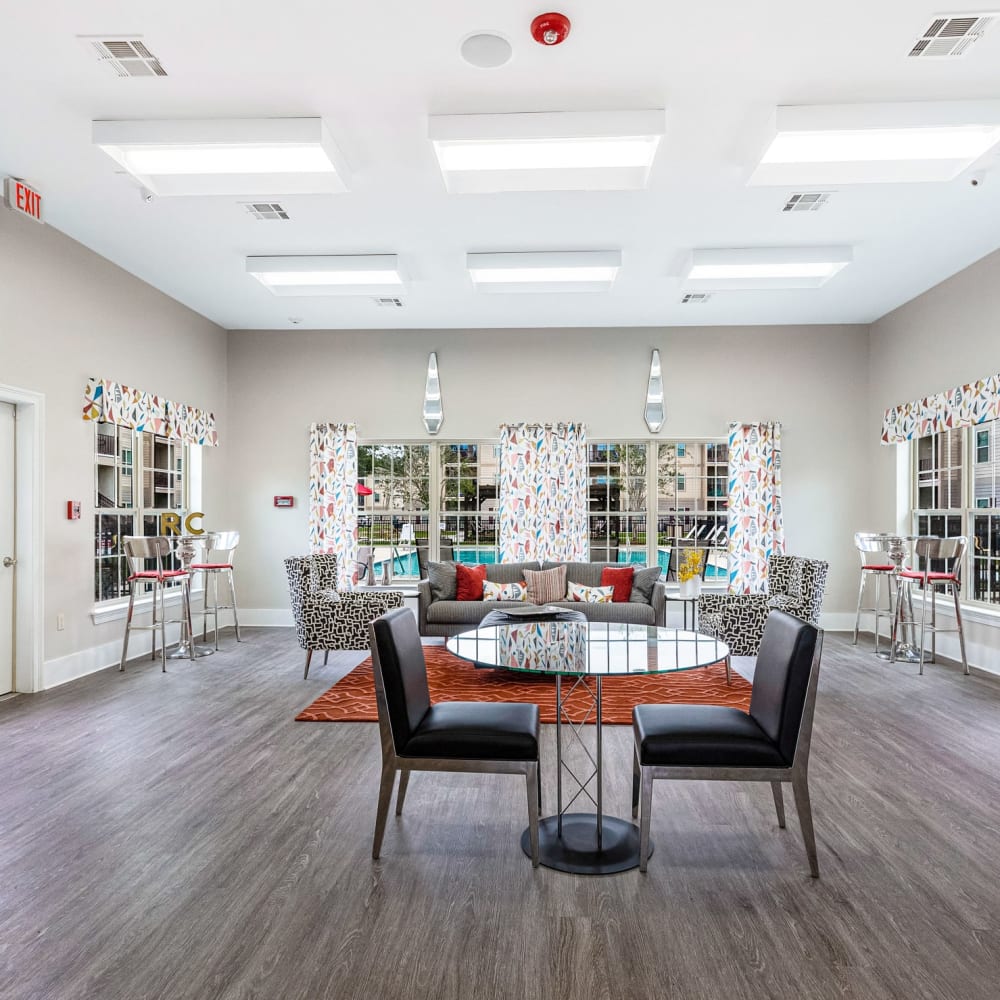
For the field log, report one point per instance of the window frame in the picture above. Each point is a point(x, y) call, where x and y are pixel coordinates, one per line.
point(967, 510)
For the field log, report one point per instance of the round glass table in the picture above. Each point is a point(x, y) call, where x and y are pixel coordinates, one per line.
point(585, 843)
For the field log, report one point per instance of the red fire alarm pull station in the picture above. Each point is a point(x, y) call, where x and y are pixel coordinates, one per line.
point(72, 510)
point(284, 501)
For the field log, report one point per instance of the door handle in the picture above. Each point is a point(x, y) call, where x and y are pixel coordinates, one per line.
point(8, 562)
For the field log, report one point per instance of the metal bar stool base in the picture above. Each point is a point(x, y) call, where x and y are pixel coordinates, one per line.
point(576, 851)
point(183, 653)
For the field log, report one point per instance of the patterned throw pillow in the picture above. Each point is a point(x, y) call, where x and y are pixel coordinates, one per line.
point(591, 595)
point(504, 591)
point(546, 585)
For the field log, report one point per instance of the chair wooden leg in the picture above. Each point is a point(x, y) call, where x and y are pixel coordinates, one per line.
point(404, 781)
point(729, 670)
point(531, 781)
point(636, 778)
point(779, 803)
point(309, 656)
point(800, 786)
point(326, 657)
point(645, 809)
point(384, 799)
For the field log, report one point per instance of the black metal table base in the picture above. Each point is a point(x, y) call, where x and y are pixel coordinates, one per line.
point(576, 851)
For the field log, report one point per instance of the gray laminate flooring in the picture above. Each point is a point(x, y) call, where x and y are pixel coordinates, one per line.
point(179, 836)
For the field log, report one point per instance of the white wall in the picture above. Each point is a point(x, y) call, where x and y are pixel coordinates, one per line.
point(67, 314)
point(812, 379)
point(946, 337)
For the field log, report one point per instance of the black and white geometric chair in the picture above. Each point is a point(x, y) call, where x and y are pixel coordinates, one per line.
point(795, 585)
point(326, 618)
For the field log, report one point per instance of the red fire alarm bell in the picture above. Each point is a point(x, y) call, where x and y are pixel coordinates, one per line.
point(72, 510)
point(284, 501)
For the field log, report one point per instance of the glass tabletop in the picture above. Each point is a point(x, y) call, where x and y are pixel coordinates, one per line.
point(590, 648)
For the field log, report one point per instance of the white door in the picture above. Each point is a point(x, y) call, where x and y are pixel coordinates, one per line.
point(7, 495)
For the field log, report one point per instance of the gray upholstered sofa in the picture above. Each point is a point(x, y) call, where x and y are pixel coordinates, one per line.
point(440, 616)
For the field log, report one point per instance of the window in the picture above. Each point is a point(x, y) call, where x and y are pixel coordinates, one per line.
point(124, 458)
point(394, 503)
point(468, 477)
point(692, 488)
point(956, 483)
point(616, 495)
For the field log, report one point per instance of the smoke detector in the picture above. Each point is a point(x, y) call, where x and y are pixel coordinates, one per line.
point(124, 55)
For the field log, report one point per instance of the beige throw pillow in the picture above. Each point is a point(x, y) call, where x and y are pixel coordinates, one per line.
point(546, 585)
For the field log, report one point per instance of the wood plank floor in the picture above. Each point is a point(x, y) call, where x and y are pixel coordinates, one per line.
point(179, 836)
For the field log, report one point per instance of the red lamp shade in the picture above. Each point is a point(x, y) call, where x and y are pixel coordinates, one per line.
point(550, 29)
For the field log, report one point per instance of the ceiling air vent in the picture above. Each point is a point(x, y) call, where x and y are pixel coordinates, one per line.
point(388, 301)
point(952, 34)
point(695, 298)
point(809, 201)
point(123, 55)
point(264, 210)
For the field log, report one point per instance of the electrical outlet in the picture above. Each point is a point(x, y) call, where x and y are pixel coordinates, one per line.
point(60, 622)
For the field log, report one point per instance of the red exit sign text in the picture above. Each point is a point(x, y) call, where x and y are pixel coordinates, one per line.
point(22, 198)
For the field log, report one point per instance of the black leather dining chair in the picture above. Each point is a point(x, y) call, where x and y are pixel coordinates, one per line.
point(715, 742)
point(498, 737)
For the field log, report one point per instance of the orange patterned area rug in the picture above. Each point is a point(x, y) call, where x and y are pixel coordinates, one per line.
point(352, 699)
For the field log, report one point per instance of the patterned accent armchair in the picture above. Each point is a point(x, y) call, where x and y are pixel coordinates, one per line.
point(326, 619)
point(795, 585)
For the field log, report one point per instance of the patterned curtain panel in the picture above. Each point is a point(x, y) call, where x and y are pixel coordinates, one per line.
point(756, 530)
point(115, 403)
point(964, 406)
point(543, 492)
point(333, 503)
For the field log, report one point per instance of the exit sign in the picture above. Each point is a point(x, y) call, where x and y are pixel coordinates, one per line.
point(22, 198)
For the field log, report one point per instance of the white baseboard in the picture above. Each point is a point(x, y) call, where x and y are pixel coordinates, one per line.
point(88, 661)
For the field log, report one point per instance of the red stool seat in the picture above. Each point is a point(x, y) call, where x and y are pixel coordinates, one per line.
point(878, 568)
point(211, 565)
point(151, 574)
point(913, 574)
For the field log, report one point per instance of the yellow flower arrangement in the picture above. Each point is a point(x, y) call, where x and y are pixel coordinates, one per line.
point(690, 567)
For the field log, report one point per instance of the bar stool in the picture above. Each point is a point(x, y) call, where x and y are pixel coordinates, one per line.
point(869, 545)
point(928, 551)
point(220, 551)
point(138, 551)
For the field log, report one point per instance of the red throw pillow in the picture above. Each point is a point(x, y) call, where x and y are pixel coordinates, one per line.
point(621, 580)
point(469, 582)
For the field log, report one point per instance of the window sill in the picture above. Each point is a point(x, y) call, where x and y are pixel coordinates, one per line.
point(117, 611)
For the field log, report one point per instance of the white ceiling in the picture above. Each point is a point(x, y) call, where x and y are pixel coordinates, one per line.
point(374, 71)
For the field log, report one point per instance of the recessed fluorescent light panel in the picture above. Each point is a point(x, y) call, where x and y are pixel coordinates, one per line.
point(762, 268)
point(572, 271)
point(877, 143)
point(244, 156)
point(553, 151)
point(365, 274)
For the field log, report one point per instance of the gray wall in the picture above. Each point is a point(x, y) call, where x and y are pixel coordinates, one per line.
point(946, 337)
point(813, 379)
point(67, 314)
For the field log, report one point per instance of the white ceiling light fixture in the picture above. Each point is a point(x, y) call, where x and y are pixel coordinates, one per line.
point(362, 274)
point(877, 143)
point(765, 267)
point(242, 156)
point(551, 271)
point(550, 151)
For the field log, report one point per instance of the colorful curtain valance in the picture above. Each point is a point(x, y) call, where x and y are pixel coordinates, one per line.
point(756, 527)
point(543, 492)
point(333, 504)
point(115, 403)
point(964, 406)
